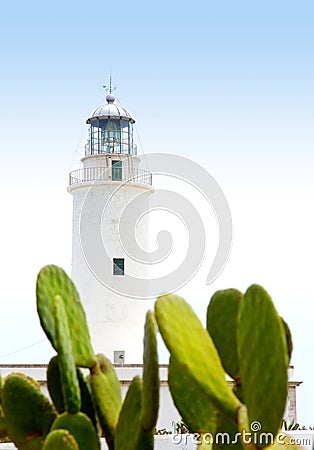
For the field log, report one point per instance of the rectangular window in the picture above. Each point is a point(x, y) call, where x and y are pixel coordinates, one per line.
point(118, 357)
point(118, 266)
point(116, 170)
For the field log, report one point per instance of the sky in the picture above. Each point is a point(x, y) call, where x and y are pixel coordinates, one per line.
point(227, 84)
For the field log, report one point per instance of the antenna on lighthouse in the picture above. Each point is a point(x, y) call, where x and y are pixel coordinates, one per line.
point(109, 88)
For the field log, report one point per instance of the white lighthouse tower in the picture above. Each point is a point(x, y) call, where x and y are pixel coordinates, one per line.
point(110, 189)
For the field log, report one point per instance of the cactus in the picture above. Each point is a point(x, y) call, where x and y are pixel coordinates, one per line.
point(3, 430)
point(52, 281)
point(139, 412)
point(150, 376)
point(60, 440)
point(106, 394)
point(262, 350)
point(245, 338)
point(28, 413)
point(192, 347)
point(249, 326)
point(222, 314)
point(69, 381)
point(288, 338)
point(55, 390)
point(227, 434)
point(81, 427)
point(87, 401)
point(129, 426)
point(199, 414)
point(54, 384)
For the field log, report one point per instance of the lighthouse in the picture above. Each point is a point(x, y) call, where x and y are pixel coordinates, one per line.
point(109, 190)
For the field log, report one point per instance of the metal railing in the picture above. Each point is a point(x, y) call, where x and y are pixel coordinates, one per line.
point(105, 174)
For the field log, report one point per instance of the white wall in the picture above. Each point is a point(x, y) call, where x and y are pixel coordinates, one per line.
point(116, 322)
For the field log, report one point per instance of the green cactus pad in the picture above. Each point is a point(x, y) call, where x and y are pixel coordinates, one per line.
point(52, 281)
point(145, 440)
point(222, 316)
point(60, 440)
point(55, 390)
point(238, 391)
point(227, 435)
point(199, 414)
point(192, 347)
point(150, 375)
point(1, 386)
point(129, 433)
point(81, 427)
point(263, 359)
point(288, 338)
point(28, 413)
point(86, 396)
point(3, 430)
point(69, 381)
point(106, 394)
point(54, 384)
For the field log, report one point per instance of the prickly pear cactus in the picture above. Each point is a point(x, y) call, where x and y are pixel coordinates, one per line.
point(222, 316)
point(150, 375)
point(28, 413)
point(128, 435)
point(225, 425)
point(86, 397)
point(106, 394)
point(263, 359)
point(54, 384)
point(199, 414)
point(228, 435)
point(1, 387)
point(254, 345)
point(192, 348)
point(55, 390)
point(3, 430)
point(246, 338)
point(288, 338)
point(60, 440)
point(69, 381)
point(81, 427)
point(52, 281)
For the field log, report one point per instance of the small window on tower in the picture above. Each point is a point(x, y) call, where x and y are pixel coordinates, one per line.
point(118, 357)
point(116, 170)
point(118, 266)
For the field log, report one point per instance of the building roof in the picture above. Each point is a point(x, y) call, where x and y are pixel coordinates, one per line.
point(110, 110)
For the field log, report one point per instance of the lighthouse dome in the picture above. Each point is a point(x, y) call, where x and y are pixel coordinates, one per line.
point(110, 130)
point(110, 110)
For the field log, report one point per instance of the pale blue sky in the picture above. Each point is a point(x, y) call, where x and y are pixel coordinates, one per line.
point(228, 84)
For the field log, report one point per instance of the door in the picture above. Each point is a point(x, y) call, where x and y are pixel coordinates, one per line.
point(116, 170)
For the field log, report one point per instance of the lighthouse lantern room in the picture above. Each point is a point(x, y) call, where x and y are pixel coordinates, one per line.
point(111, 130)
